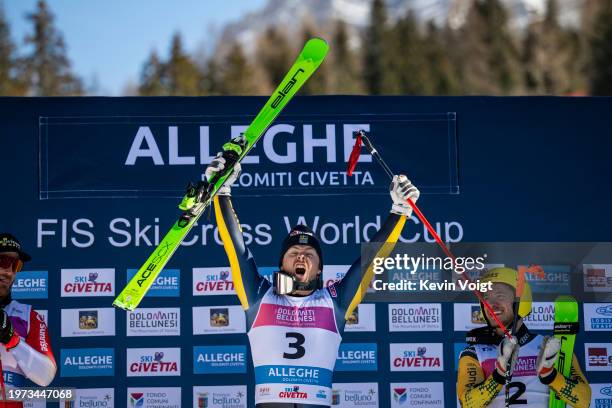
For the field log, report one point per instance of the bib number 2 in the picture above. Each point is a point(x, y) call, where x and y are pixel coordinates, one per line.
point(514, 398)
point(295, 345)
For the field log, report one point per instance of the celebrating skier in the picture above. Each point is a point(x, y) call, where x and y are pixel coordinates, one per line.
point(483, 363)
point(295, 324)
point(23, 333)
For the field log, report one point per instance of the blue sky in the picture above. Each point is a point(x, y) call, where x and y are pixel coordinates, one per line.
point(111, 39)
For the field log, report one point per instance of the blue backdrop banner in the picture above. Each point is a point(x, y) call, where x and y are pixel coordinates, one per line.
point(90, 185)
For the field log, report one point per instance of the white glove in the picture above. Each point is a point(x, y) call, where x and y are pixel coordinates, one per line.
point(218, 166)
point(401, 189)
point(549, 350)
point(507, 354)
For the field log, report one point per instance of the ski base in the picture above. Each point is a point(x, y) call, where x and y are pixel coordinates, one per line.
point(308, 61)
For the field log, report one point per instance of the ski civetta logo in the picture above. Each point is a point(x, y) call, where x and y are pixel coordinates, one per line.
point(604, 310)
point(606, 391)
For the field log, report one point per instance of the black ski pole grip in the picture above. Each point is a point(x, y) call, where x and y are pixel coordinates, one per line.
point(367, 142)
point(375, 154)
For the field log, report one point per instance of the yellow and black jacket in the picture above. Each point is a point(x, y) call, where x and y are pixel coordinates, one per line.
point(479, 385)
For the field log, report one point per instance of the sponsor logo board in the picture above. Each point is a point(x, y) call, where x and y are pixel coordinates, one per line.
point(555, 279)
point(597, 277)
point(349, 395)
point(154, 397)
point(212, 281)
point(234, 396)
point(416, 357)
point(88, 322)
point(219, 359)
point(31, 285)
point(415, 317)
point(362, 319)
point(598, 316)
point(87, 362)
point(88, 282)
point(218, 319)
point(153, 362)
point(598, 356)
point(91, 398)
point(417, 394)
point(601, 395)
point(154, 321)
point(357, 357)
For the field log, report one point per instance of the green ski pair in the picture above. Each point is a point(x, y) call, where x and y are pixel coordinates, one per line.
point(565, 329)
point(199, 197)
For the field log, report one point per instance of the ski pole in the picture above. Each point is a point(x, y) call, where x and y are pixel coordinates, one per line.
point(520, 284)
point(372, 150)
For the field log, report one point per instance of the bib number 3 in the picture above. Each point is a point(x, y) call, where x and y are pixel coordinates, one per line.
point(295, 345)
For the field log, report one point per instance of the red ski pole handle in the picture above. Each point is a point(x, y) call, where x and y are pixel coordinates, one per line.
point(372, 150)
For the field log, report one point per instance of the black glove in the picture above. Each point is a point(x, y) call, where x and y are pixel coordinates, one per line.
point(6, 328)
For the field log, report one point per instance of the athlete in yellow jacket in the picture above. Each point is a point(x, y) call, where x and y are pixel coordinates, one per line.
point(482, 365)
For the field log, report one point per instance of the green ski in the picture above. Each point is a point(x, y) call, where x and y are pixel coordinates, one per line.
point(565, 329)
point(199, 197)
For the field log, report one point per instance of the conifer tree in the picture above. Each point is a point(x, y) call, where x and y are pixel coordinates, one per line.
point(345, 65)
point(550, 55)
point(411, 68)
point(151, 77)
point(237, 75)
point(601, 51)
point(492, 64)
point(377, 64)
point(181, 75)
point(12, 82)
point(275, 55)
point(48, 67)
point(443, 76)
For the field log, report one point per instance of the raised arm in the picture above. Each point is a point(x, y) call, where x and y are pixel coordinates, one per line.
point(249, 285)
point(353, 287)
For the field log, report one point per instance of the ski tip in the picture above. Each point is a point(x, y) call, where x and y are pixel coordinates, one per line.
point(315, 49)
point(566, 309)
point(120, 305)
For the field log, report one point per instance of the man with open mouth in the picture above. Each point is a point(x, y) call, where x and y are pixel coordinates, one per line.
point(295, 324)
